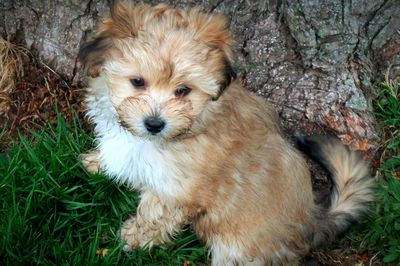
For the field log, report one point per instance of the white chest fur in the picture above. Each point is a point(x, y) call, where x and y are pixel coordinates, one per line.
point(138, 163)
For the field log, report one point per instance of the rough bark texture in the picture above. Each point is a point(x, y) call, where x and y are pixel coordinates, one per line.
point(315, 60)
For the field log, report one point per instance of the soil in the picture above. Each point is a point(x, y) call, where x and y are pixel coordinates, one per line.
point(41, 94)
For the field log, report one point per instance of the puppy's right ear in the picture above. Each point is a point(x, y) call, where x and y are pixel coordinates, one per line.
point(123, 22)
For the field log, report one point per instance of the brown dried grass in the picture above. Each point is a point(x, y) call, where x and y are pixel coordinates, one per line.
point(11, 68)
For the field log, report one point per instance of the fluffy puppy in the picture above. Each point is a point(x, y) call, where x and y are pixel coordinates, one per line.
point(172, 121)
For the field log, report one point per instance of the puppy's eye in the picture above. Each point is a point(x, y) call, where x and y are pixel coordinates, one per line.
point(137, 82)
point(182, 91)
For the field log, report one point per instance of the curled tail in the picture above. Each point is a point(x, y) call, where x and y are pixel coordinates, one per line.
point(352, 185)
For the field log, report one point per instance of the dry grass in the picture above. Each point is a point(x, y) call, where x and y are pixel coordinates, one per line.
point(11, 69)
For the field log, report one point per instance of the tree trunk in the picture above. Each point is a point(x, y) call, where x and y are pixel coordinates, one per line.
point(315, 60)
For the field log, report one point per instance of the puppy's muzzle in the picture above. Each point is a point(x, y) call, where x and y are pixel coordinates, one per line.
point(154, 124)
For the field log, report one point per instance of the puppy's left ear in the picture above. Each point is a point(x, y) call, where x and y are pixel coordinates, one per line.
point(212, 30)
point(229, 75)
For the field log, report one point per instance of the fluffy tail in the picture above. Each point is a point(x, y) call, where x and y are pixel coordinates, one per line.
point(352, 189)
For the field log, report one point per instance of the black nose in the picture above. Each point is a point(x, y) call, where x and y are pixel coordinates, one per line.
point(154, 124)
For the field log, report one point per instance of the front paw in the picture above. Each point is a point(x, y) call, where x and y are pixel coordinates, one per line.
point(91, 161)
point(138, 234)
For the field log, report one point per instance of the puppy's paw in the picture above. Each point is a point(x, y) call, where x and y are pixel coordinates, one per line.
point(138, 234)
point(91, 161)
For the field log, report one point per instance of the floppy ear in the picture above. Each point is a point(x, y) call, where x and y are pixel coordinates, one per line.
point(212, 31)
point(123, 22)
point(229, 75)
point(93, 55)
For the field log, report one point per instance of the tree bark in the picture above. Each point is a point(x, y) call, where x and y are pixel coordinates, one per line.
point(315, 60)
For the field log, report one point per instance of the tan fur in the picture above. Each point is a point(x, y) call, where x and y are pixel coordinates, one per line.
point(91, 161)
point(246, 191)
point(155, 222)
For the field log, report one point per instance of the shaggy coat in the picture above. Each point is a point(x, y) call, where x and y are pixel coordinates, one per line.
point(172, 121)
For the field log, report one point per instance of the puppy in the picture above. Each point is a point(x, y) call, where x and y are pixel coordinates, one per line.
point(172, 121)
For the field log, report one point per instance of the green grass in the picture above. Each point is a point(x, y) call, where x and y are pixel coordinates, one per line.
point(381, 233)
point(52, 212)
